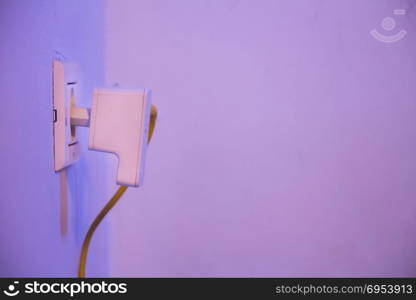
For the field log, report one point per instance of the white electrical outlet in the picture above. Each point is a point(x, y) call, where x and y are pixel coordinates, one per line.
point(118, 123)
point(65, 90)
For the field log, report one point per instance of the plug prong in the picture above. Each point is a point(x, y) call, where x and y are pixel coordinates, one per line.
point(80, 116)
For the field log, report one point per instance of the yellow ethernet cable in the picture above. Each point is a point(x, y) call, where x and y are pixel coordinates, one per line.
point(108, 206)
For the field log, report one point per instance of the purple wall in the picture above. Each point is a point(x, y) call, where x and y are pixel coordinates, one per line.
point(286, 140)
point(285, 144)
point(33, 239)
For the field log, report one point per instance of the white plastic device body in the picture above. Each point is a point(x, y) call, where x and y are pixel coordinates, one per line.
point(118, 123)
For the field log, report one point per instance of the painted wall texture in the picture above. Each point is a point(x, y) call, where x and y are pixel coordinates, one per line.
point(284, 147)
point(286, 140)
point(36, 239)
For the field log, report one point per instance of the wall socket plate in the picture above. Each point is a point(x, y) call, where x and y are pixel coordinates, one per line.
point(65, 91)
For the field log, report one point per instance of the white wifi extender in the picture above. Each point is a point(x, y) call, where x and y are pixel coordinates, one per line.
point(118, 123)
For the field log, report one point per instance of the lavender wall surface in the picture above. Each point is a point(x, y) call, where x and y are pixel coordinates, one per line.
point(35, 238)
point(284, 146)
point(286, 140)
